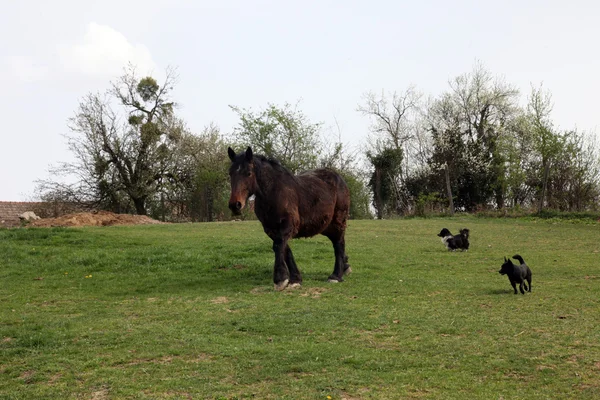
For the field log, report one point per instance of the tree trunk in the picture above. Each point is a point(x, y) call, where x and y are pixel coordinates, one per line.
point(449, 190)
point(162, 205)
point(499, 194)
point(398, 206)
point(208, 199)
point(140, 205)
point(377, 194)
point(544, 185)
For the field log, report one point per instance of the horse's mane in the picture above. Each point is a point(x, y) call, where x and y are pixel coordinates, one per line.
point(273, 163)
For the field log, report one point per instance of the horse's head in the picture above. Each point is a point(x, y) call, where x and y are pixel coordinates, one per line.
point(243, 179)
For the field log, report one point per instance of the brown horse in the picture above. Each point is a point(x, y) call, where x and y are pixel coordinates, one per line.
point(291, 206)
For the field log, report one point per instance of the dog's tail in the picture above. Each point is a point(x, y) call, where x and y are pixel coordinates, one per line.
point(465, 232)
point(518, 257)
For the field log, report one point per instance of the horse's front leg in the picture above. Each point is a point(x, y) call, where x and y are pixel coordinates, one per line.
point(281, 274)
point(283, 254)
point(295, 276)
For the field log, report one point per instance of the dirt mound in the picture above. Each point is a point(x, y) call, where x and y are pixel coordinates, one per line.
point(97, 218)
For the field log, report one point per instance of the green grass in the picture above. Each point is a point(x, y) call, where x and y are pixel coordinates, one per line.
point(188, 311)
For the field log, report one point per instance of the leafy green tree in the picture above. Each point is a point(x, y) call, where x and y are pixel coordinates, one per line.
point(336, 157)
point(547, 142)
point(517, 149)
point(573, 184)
point(360, 198)
point(487, 105)
point(448, 157)
point(386, 166)
point(468, 124)
point(203, 161)
point(283, 133)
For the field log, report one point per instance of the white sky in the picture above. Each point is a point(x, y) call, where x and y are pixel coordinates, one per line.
point(326, 53)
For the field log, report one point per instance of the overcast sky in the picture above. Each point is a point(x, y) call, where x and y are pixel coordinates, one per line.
point(248, 53)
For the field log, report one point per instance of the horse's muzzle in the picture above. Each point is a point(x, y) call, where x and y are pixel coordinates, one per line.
point(235, 207)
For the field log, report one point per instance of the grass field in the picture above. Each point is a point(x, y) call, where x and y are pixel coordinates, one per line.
point(189, 311)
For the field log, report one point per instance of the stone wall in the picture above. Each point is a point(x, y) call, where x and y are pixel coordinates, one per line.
point(10, 210)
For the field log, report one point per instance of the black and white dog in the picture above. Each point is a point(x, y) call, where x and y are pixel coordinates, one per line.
point(452, 243)
point(517, 273)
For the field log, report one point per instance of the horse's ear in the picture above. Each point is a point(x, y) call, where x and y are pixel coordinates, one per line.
point(249, 153)
point(505, 260)
point(231, 154)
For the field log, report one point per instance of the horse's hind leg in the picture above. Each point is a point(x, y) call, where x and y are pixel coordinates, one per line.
point(341, 266)
point(295, 277)
point(347, 268)
point(336, 232)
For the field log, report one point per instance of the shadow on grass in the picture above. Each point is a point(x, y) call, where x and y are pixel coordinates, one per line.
point(493, 292)
point(206, 282)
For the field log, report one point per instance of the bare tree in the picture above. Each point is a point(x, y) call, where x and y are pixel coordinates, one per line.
point(486, 103)
point(392, 118)
point(121, 157)
point(394, 126)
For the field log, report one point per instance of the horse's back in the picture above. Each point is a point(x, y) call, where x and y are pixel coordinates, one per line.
point(336, 181)
point(325, 184)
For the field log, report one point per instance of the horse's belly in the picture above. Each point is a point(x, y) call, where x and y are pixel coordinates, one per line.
point(313, 226)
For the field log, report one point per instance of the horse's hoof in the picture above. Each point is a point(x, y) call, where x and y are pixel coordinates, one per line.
point(295, 285)
point(331, 280)
point(348, 271)
point(281, 285)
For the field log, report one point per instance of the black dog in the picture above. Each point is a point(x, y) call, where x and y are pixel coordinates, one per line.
point(452, 243)
point(517, 273)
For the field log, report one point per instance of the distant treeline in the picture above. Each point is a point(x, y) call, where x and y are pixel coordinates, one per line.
point(471, 148)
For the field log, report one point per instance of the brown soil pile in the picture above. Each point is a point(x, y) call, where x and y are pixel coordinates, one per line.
point(97, 218)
